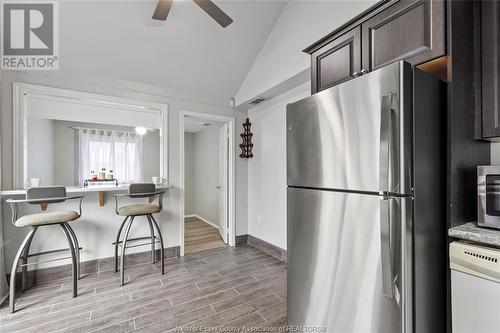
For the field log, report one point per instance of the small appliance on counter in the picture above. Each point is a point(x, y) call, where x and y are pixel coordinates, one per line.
point(488, 196)
point(475, 288)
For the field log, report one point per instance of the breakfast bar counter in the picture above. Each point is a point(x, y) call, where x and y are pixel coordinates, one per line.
point(96, 229)
point(81, 189)
point(101, 189)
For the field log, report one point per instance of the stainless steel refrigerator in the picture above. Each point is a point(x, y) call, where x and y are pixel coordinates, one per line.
point(366, 205)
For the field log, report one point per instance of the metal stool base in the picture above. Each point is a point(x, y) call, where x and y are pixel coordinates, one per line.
point(123, 243)
point(23, 254)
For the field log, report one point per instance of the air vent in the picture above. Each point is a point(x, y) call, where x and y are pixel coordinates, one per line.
point(258, 100)
point(480, 256)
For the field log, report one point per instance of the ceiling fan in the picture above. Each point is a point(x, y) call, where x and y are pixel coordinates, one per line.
point(163, 8)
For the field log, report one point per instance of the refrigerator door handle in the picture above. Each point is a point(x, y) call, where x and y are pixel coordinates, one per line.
point(385, 244)
point(388, 146)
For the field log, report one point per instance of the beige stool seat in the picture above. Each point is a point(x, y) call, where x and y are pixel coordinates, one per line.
point(47, 218)
point(139, 209)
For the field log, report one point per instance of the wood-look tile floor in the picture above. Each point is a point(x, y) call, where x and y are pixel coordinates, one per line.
point(199, 236)
point(232, 287)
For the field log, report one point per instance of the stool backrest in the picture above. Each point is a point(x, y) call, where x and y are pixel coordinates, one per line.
point(46, 192)
point(141, 189)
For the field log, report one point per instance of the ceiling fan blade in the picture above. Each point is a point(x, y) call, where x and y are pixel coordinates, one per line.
point(162, 9)
point(215, 12)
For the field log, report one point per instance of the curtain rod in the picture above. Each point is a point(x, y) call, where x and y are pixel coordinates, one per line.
point(101, 130)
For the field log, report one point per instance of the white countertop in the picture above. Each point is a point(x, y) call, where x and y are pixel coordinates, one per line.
point(79, 189)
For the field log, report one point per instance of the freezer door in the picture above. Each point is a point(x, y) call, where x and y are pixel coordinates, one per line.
point(344, 266)
point(355, 136)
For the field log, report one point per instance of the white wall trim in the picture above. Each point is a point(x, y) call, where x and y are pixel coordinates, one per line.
point(202, 219)
point(232, 172)
point(21, 92)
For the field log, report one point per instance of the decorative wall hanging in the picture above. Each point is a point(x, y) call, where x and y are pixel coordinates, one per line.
point(247, 145)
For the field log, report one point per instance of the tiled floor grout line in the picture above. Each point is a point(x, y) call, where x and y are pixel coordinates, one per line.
point(279, 297)
point(261, 316)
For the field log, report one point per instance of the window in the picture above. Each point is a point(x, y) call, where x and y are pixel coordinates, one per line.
point(114, 150)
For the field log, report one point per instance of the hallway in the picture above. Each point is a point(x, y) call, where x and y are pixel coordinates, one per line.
point(200, 236)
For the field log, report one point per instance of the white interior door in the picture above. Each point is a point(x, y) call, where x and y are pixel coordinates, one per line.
point(223, 181)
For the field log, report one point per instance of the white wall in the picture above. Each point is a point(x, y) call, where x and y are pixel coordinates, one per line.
point(300, 24)
point(267, 169)
point(93, 216)
point(495, 153)
point(189, 165)
point(41, 150)
point(203, 154)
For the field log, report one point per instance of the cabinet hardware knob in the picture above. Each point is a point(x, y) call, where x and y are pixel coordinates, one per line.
point(355, 74)
point(364, 71)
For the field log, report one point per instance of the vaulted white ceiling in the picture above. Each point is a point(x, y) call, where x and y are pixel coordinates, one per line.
point(189, 52)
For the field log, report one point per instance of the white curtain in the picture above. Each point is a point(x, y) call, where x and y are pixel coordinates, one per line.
point(114, 150)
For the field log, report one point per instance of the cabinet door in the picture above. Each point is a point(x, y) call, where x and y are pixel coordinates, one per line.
point(490, 25)
point(337, 61)
point(413, 30)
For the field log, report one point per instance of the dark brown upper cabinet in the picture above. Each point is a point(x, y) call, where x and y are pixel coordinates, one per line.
point(411, 30)
point(490, 69)
point(338, 61)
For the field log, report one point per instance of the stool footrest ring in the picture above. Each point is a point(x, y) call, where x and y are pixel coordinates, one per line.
point(135, 239)
point(49, 252)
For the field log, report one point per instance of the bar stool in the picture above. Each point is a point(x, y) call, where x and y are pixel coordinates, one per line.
point(139, 190)
point(44, 196)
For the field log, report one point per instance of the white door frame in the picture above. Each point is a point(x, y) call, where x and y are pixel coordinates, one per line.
point(231, 166)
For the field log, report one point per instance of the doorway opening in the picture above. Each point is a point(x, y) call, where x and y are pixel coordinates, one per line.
point(207, 168)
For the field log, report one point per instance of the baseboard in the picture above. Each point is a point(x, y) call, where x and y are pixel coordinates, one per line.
point(95, 266)
point(264, 246)
point(241, 240)
point(203, 219)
